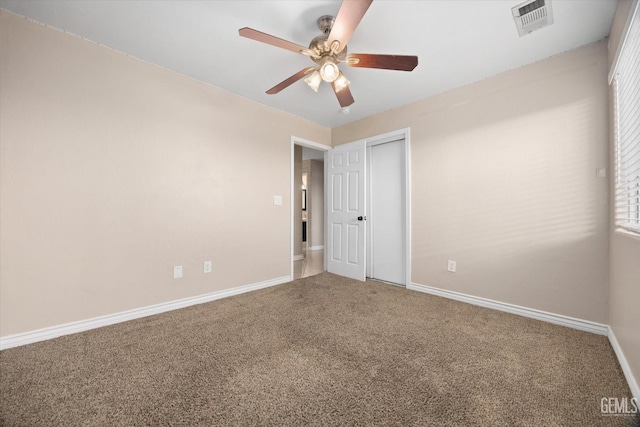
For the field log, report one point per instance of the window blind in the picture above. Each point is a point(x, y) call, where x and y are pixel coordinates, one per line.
point(627, 130)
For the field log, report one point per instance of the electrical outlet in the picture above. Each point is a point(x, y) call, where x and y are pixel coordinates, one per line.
point(451, 266)
point(177, 272)
point(207, 266)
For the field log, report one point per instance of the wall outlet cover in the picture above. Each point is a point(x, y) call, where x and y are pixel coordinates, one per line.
point(451, 266)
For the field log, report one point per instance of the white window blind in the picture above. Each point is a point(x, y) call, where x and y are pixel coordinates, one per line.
point(627, 130)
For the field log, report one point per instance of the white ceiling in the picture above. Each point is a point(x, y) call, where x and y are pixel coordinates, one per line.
point(457, 42)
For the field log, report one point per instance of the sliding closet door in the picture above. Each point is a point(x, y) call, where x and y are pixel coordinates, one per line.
point(386, 219)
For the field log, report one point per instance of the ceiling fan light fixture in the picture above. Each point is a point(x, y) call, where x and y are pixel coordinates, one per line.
point(329, 71)
point(314, 80)
point(329, 49)
point(341, 82)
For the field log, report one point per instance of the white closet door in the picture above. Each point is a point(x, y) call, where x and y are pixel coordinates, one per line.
point(386, 218)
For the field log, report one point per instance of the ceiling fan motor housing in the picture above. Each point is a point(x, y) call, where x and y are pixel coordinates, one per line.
point(319, 45)
point(322, 49)
point(325, 23)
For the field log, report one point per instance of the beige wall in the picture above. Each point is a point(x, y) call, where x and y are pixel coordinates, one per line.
point(306, 181)
point(617, 27)
point(114, 170)
point(624, 254)
point(503, 181)
point(316, 176)
point(314, 169)
point(297, 200)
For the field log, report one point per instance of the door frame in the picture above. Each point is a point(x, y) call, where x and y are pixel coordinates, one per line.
point(405, 134)
point(304, 143)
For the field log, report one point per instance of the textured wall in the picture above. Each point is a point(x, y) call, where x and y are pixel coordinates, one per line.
point(317, 202)
point(504, 182)
point(114, 170)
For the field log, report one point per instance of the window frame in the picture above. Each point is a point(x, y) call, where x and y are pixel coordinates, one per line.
point(626, 197)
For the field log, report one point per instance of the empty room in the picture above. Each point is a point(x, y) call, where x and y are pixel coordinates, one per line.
point(291, 213)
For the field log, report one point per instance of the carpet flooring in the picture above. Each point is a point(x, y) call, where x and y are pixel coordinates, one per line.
point(322, 350)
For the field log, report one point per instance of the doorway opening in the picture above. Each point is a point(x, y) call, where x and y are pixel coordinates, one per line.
point(307, 208)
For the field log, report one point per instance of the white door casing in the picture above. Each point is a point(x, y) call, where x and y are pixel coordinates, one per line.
point(345, 188)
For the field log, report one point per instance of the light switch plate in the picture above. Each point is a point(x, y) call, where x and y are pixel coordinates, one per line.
point(277, 200)
point(601, 173)
point(177, 272)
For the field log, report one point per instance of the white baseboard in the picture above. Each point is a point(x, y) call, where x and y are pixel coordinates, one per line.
point(298, 257)
point(558, 319)
point(626, 369)
point(316, 248)
point(16, 340)
point(24, 338)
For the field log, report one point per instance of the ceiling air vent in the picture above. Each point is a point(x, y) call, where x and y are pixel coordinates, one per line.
point(532, 15)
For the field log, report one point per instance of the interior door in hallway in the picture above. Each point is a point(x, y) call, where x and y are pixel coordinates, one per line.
point(386, 222)
point(345, 187)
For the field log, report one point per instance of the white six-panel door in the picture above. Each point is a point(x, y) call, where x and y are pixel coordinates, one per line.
point(345, 186)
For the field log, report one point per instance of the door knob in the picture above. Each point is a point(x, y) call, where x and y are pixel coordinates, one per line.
point(360, 218)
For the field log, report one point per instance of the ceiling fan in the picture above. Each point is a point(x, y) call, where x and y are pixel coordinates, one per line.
point(330, 49)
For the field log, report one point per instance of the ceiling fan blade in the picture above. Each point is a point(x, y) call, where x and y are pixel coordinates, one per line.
point(344, 96)
point(386, 62)
point(291, 80)
point(348, 18)
point(250, 33)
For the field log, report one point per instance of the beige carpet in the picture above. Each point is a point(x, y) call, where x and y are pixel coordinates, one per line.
point(323, 350)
